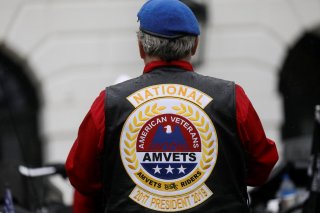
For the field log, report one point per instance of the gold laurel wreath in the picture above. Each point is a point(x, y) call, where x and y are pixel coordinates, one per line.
point(131, 136)
point(205, 134)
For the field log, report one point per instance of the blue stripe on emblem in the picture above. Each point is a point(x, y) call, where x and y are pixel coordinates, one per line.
point(168, 171)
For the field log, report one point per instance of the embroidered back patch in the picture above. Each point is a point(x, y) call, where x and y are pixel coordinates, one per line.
point(169, 147)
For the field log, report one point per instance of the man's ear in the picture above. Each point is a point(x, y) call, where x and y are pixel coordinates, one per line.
point(194, 49)
point(141, 50)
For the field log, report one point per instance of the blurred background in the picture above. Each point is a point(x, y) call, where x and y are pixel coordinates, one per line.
point(57, 55)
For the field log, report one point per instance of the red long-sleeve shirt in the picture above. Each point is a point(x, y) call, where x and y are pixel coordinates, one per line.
point(83, 165)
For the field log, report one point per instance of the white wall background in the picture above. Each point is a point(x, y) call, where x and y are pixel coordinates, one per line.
point(77, 47)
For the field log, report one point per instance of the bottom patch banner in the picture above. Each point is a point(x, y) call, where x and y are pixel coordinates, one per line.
point(170, 204)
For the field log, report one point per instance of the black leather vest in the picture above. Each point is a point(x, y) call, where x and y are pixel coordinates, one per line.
point(126, 124)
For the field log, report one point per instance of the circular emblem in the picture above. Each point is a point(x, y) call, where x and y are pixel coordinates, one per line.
point(168, 146)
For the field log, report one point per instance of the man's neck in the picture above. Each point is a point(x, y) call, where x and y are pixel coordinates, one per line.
point(150, 59)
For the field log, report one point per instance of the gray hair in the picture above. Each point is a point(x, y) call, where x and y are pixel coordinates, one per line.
point(167, 49)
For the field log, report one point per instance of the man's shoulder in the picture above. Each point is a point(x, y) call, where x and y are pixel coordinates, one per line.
point(125, 88)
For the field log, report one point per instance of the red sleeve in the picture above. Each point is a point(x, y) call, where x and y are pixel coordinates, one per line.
point(83, 165)
point(84, 203)
point(261, 152)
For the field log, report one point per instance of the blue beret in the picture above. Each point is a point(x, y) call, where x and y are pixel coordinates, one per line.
point(168, 19)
